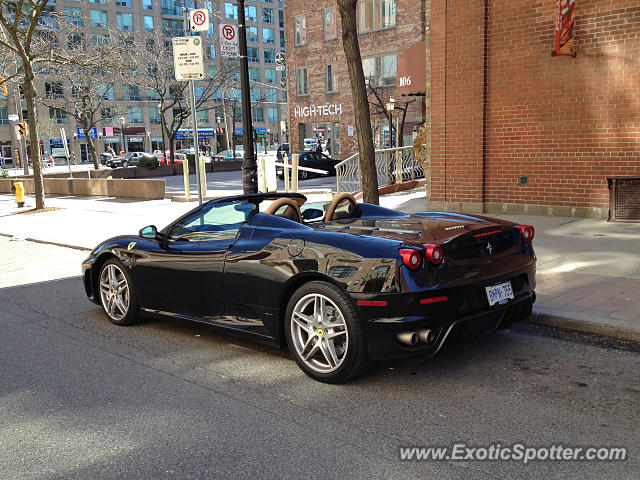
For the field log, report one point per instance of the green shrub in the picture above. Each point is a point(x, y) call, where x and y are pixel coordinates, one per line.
point(149, 161)
point(4, 174)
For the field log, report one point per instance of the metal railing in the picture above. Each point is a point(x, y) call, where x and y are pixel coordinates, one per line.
point(393, 165)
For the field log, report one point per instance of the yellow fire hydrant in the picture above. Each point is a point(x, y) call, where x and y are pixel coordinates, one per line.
point(19, 189)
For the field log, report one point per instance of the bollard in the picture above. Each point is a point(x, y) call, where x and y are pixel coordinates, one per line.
point(285, 170)
point(19, 188)
point(294, 172)
point(185, 173)
point(203, 177)
point(262, 174)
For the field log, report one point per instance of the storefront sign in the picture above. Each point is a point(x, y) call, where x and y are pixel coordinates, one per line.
point(411, 76)
point(187, 133)
point(93, 133)
point(565, 15)
point(320, 110)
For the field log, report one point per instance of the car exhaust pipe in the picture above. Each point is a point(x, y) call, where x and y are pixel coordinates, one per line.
point(408, 338)
point(426, 336)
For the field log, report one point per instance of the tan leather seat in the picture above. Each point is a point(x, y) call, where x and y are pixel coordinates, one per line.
point(343, 205)
point(285, 208)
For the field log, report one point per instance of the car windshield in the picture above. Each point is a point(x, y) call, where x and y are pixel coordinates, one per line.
point(215, 222)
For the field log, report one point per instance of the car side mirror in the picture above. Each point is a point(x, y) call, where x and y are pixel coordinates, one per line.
point(150, 232)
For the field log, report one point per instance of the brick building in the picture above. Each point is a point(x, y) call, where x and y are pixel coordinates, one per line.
point(515, 129)
point(319, 91)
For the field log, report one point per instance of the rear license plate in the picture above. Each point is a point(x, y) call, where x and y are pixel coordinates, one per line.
point(499, 294)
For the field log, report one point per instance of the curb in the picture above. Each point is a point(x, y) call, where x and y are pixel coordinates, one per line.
point(47, 242)
point(579, 322)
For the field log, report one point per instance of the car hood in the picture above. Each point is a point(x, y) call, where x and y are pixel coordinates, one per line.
point(419, 228)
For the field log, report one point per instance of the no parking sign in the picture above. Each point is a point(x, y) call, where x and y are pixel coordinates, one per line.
point(228, 40)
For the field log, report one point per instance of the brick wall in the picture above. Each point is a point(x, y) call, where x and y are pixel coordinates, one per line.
point(565, 123)
point(410, 28)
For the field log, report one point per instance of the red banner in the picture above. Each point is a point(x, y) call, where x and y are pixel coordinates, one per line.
point(565, 16)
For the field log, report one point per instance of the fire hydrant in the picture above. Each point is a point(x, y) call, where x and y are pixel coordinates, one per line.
point(19, 189)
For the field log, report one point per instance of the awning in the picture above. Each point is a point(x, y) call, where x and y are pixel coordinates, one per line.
point(411, 76)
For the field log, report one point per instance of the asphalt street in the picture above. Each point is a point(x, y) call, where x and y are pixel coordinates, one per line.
point(82, 398)
point(232, 182)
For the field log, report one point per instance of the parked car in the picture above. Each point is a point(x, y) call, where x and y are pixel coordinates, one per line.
point(105, 157)
point(177, 158)
point(312, 160)
point(131, 159)
point(309, 144)
point(282, 152)
point(227, 156)
point(338, 282)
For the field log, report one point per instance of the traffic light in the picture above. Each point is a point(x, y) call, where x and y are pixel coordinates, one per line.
point(22, 127)
point(3, 87)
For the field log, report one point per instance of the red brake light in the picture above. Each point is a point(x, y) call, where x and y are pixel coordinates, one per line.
point(434, 253)
point(410, 258)
point(527, 232)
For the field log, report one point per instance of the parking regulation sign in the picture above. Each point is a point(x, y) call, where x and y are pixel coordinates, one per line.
point(187, 58)
point(228, 40)
point(199, 20)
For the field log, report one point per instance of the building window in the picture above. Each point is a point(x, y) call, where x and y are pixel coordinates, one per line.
point(212, 51)
point(231, 11)
point(281, 18)
point(58, 116)
point(250, 13)
point(101, 2)
point(255, 94)
point(269, 55)
point(131, 92)
point(124, 21)
point(268, 35)
point(53, 90)
point(123, 3)
point(267, 15)
point(330, 28)
point(134, 115)
point(202, 117)
point(73, 16)
point(331, 78)
point(252, 34)
point(252, 55)
point(254, 75)
point(271, 95)
point(147, 4)
point(98, 19)
point(74, 41)
point(300, 25)
point(213, 71)
point(105, 91)
point(301, 81)
point(258, 114)
point(148, 24)
point(154, 115)
point(152, 95)
point(273, 115)
point(98, 40)
point(376, 15)
point(269, 75)
point(381, 70)
point(106, 115)
point(4, 116)
point(172, 28)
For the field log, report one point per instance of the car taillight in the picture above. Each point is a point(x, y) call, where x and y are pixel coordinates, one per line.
point(433, 253)
point(527, 232)
point(410, 258)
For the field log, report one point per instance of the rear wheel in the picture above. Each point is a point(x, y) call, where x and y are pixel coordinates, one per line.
point(325, 334)
point(303, 174)
point(125, 164)
point(117, 293)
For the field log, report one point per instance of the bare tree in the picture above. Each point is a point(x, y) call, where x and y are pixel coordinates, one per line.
point(379, 97)
point(155, 67)
point(25, 30)
point(351, 48)
point(90, 72)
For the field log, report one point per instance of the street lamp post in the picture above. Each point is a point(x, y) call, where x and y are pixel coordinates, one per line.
point(391, 105)
point(123, 146)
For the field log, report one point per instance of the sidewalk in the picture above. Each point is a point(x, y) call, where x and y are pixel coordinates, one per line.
point(588, 275)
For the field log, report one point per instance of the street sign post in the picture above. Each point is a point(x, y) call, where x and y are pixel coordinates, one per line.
point(63, 136)
point(13, 117)
point(280, 58)
point(229, 40)
point(187, 58)
point(199, 20)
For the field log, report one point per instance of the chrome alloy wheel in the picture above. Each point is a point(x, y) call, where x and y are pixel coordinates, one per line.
point(114, 292)
point(319, 333)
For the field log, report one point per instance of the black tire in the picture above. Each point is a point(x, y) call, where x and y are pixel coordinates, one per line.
point(125, 164)
point(303, 174)
point(354, 357)
point(133, 311)
point(281, 177)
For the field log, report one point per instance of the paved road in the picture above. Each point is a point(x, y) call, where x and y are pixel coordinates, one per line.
point(82, 398)
point(232, 182)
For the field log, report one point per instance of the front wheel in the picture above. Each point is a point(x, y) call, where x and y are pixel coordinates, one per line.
point(125, 164)
point(303, 174)
point(325, 334)
point(117, 293)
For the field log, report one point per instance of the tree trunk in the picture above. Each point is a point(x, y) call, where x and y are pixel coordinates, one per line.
point(351, 47)
point(30, 97)
point(92, 151)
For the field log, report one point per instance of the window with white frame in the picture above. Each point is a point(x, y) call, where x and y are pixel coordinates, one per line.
point(268, 35)
point(250, 13)
point(98, 19)
point(301, 81)
point(331, 77)
point(376, 15)
point(330, 28)
point(267, 15)
point(300, 26)
point(273, 114)
point(380, 70)
point(231, 11)
point(252, 34)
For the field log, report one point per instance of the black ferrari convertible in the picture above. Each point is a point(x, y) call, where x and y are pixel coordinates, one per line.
point(339, 282)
